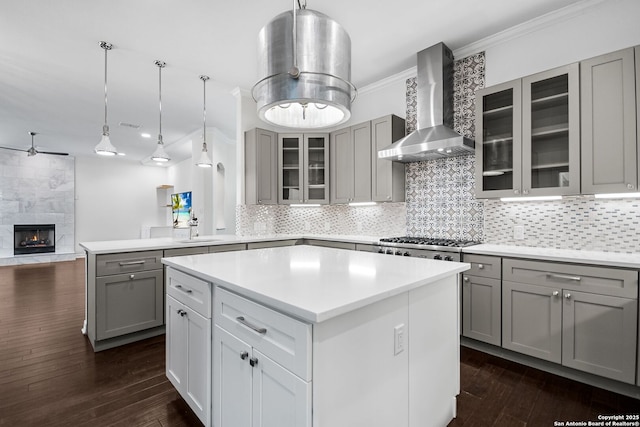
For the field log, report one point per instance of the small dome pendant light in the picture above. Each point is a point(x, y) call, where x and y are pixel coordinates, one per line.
point(160, 155)
point(104, 147)
point(304, 81)
point(204, 161)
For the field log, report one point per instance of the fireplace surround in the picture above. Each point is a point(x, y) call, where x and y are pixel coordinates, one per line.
point(34, 238)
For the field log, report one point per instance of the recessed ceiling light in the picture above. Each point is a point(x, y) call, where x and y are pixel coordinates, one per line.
point(145, 135)
point(121, 154)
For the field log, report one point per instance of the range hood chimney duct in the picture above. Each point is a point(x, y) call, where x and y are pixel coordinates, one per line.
point(434, 137)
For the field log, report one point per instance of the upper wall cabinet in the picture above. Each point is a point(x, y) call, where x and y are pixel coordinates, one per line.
point(527, 138)
point(608, 110)
point(388, 177)
point(303, 161)
point(350, 161)
point(261, 176)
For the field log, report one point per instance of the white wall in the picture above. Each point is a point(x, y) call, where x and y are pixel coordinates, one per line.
point(115, 198)
point(583, 31)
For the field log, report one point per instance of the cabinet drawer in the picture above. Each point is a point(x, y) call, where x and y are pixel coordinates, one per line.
point(228, 248)
point(128, 262)
point(271, 244)
point(483, 266)
point(330, 244)
point(599, 280)
point(282, 338)
point(192, 292)
point(186, 251)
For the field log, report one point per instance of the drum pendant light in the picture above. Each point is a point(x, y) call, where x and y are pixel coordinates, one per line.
point(160, 155)
point(304, 67)
point(104, 147)
point(204, 161)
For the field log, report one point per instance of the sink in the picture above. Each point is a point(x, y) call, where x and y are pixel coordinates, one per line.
point(202, 239)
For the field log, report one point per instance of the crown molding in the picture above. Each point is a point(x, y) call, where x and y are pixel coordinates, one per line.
point(530, 26)
point(401, 76)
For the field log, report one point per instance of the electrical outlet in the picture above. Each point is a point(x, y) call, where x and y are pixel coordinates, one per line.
point(398, 339)
point(518, 232)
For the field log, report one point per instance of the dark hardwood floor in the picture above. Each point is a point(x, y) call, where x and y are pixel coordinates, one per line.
point(50, 376)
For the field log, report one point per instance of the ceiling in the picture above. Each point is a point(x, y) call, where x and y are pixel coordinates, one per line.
point(51, 77)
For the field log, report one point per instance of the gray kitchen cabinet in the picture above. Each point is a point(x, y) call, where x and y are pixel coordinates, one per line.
point(583, 317)
point(528, 136)
point(196, 250)
point(608, 114)
point(261, 165)
point(128, 303)
point(330, 244)
point(272, 244)
point(481, 299)
point(350, 164)
point(303, 172)
point(388, 178)
point(124, 297)
point(228, 248)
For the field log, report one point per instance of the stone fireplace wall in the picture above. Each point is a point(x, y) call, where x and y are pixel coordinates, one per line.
point(37, 190)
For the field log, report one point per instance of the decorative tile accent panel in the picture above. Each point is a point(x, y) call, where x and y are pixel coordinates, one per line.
point(37, 190)
point(386, 219)
point(440, 193)
point(580, 222)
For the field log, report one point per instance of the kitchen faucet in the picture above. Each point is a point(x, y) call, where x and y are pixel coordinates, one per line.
point(193, 227)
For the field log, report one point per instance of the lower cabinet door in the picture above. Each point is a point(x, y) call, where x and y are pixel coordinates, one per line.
point(128, 303)
point(232, 380)
point(481, 310)
point(176, 344)
point(600, 335)
point(188, 352)
point(532, 320)
point(280, 398)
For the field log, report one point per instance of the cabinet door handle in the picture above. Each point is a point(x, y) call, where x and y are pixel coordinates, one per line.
point(516, 191)
point(244, 355)
point(124, 264)
point(564, 277)
point(182, 313)
point(555, 293)
point(567, 295)
point(481, 266)
point(242, 321)
point(132, 276)
point(253, 361)
point(630, 186)
point(183, 289)
point(466, 279)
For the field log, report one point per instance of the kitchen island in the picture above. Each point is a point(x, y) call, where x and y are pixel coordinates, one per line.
point(314, 336)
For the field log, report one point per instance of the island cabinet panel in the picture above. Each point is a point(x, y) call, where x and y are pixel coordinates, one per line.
point(128, 303)
point(188, 340)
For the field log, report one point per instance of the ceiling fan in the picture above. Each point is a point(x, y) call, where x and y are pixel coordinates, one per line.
point(32, 151)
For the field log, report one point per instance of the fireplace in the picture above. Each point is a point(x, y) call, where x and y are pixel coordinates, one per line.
point(34, 238)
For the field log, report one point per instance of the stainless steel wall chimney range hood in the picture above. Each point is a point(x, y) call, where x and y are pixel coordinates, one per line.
point(434, 137)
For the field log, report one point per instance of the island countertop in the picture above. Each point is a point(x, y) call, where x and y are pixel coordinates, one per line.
point(314, 283)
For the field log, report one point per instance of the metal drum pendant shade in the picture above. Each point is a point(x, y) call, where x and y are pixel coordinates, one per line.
point(320, 95)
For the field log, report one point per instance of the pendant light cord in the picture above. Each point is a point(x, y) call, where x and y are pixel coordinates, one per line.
point(106, 46)
point(204, 109)
point(160, 65)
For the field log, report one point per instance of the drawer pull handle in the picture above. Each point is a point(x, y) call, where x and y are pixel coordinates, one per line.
point(184, 289)
point(242, 321)
point(132, 276)
point(125, 264)
point(564, 276)
point(481, 266)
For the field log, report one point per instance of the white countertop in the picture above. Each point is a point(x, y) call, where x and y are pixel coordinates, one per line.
point(314, 283)
point(612, 259)
point(112, 246)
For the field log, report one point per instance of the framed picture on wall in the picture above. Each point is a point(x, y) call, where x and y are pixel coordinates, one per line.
point(181, 209)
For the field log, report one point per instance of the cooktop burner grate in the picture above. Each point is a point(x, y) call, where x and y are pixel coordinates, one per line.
point(428, 241)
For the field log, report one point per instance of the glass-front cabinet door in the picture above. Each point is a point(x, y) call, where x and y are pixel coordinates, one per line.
point(303, 160)
point(316, 162)
point(527, 136)
point(550, 132)
point(498, 140)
